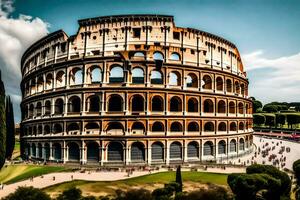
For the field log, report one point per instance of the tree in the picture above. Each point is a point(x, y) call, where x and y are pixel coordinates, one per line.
point(270, 120)
point(270, 108)
point(286, 183)
point(280, 119)
point(70, 194)
point(256, 105)
point(28, 193)
point(178, 178)
point(259, 119)
point(10, 129)
point(2, 124)
point(292, 119)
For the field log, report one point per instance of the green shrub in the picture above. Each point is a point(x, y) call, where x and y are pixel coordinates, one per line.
point(28, 193)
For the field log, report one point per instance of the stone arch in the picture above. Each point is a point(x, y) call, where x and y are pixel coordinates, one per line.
point(38, 109)
point(73, 151)
point(193, 105)
point(158, 127)
point(241, 144)
point(193, 127)
point(175, 104)
point(73, 128)
point(60, 79)
point(115, 103)
point(220, 84)
point(232, 126)
point(157, 151)
point(221, 106)
point(157, 104)
point(115, 127)
point(222, 126)
point(137, 151)
point(49, 81)
point(175, 56)
point(176, 127)
point(76, 76)
point(157, 55)
point(138, 127)
point(175, 150)
point(231, 107)
point(56, 151)
point(95, 74)
point(232, 145)
point(47, 151)
point(209, 127)
point(228, 85)
point(207, 82)
point(93, 103)
point(241, 126)
point(137, 103)
point(115, 152)
point(138, 75)
point(222, 147)
point(241, 108)
point(208, 106)
point(156, 77)
point(193, 149)
point(174, 78)
point(40, 150)
point(116, 74)
point(208, 148)
point(59, 106)
point(92, 152)
point(47, 107)
point(192, 80)
point(74, 104)
point(57, 128)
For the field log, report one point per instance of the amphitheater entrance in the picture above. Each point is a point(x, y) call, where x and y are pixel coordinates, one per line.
point(193, 150)
point(115, 152)
point(47, 151)
point(74, 153)
point(56, 151)
point(157, 152)
point(137, 152)
point(175, 151)
point(92, 152)
point(40, 150)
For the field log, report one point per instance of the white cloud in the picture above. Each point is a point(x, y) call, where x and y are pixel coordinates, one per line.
point(273, 79)
point(16, 34)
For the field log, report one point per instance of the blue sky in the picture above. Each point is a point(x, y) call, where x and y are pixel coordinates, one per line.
point(266, 32)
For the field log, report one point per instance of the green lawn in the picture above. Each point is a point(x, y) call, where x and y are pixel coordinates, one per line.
point(16, 152)
point(14, 173)
point(190, 180)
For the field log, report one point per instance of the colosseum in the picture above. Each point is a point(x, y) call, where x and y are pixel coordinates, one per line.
point(134, 90)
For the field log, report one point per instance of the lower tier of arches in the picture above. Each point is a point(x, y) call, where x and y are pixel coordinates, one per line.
point(137, 151)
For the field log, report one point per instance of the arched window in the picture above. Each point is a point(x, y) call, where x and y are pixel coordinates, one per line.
point(157, 151)
point(208, 106)
point(158, 127)
point(96, 74)
point(91, 128)
point(31, 110)
point(228, 85)
point(116, 74)
point(33, 147)
point(115, 103)
point(192, 81)
point(47, 107)
point(175, 56)
point(207, 82)
point(243, 89)
point(47, 130)
point(74, 104)
point(138, 127)
point(47, 151)
point(232, 145)
point(221, 106)
point(176, 127)
point(115, 152)
point(76, 76)
point(49, 82)
point(94, 103)
point(241, 126)
point(241, 144)
point(33, 86)
point(137, 103)
point(73, 128)
point(231, 107)
point(158, 56)
point(92, 152)
point(174, 79)
point(157, 104)
point(209, 127)
point(192, 105)
point(175, 150)
point(156, 77)
point(56, 151)
point(237, 87)
point(137, 151)
point(241, 108)
point(208, 149)
point(175, 104)
point(59, 106)
point(139, 54)
point(232, 126)
point(39, 109)
point(60, 79)
point(193, 150)
point(57, 128)
point(74, 152)
point(222, 147)
point(193, 127)
point(40, 84)
point(115, 127)
point(138, 75)
point(222, 126)
point(40, 150)
point(219, 84)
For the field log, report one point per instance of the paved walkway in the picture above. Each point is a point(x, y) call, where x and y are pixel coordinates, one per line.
point(61, 177)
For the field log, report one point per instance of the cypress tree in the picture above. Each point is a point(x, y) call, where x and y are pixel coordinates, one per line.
point(178, 178)
point(10, 129)
point(2, 123)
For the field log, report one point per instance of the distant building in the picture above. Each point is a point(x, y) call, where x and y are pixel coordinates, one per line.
point(134, 89)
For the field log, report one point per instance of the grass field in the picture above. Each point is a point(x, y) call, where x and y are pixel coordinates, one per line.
point(14, 173)
point(16, 152)
point(191, 180)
